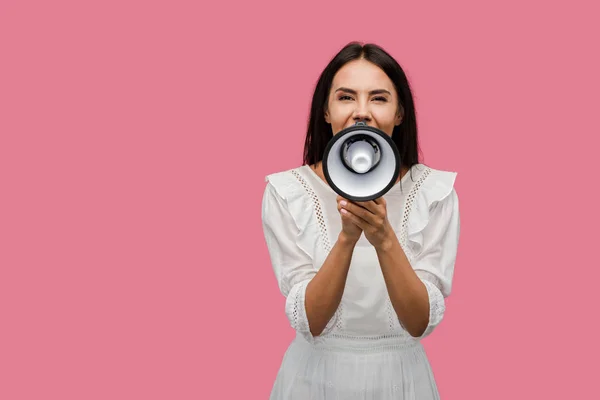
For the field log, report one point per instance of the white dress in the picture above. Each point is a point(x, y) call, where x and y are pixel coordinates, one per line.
point(364, 352)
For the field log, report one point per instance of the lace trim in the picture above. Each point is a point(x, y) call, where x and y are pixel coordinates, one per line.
point(438, 307)
point(428, 276)
point(394, 322)
point(324, 236)
point(409, 204)
point(391, 314)
point(338, 316)
point(366, 344)
point(318, 210)
point(368, 338)
point(299, 317)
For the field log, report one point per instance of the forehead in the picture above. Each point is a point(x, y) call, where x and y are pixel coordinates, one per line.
point(362, 75)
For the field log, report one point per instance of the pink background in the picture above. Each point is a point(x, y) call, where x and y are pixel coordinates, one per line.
point(132, 261)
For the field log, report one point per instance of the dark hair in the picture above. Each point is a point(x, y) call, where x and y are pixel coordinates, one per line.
point(319, 131)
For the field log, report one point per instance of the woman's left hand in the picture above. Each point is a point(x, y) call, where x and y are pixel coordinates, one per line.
point(371, 216)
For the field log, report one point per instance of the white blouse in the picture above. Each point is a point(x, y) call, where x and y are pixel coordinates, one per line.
point(301, 223)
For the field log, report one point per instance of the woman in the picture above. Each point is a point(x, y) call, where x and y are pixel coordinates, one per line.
point(364, 282)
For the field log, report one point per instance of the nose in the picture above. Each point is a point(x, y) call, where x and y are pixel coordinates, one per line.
point(361, 113)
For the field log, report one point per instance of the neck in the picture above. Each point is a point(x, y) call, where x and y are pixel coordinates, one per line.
point(403, 171)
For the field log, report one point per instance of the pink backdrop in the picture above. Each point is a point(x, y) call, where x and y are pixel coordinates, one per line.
point(134, 139)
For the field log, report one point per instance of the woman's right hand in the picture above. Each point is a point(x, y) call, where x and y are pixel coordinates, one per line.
point(350, 230)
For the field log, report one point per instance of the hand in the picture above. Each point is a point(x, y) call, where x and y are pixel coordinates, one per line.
point(371, 218)
point(349, 229)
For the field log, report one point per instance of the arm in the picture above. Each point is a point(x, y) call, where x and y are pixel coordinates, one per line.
point(312, 296)
point(407, 292)
point(324, 292)
point(422, 306)
point(417, 290)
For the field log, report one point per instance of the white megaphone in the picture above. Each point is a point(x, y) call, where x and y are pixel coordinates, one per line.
point(361, 163)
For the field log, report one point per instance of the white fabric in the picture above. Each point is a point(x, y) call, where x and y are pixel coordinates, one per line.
point(364, 352)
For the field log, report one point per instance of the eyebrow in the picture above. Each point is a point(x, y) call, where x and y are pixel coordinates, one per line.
point(376, 91)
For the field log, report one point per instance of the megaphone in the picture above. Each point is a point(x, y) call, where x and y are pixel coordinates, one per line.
point(361, 163)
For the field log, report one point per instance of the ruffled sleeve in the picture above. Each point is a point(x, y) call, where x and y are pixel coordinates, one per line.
point(292, 266)
point(434, 241)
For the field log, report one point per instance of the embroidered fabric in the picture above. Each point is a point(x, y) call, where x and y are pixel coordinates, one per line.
point(301, 223)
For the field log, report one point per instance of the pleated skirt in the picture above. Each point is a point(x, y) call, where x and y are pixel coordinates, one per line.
point(343, 368)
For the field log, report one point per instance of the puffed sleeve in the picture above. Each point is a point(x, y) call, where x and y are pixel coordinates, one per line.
point(292, 266)
point(434, 263)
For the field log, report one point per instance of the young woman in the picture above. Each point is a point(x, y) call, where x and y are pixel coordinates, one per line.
point(364, 282)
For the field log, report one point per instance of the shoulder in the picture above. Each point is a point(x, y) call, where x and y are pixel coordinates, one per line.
point(435, 185)
point(283, 177)
point(284, 192)
point(285, 183)
point(431, 188)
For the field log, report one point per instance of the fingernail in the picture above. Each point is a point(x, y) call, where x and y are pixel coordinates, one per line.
point(343, 203)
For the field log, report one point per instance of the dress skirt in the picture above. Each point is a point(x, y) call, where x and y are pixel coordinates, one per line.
point(345, 368)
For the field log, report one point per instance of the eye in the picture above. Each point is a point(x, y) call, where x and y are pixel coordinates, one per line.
point(380, 99)
point(345, 98)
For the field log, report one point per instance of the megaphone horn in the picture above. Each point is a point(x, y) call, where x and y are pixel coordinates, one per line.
point(361, 163)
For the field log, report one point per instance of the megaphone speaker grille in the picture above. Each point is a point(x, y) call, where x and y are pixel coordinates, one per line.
point(360, 153)
point(361, 163)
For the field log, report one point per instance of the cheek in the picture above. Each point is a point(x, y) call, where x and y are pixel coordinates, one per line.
point(340, 113)
point(386, 122)
point(385, 117)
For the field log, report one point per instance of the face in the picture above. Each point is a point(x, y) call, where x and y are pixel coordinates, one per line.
point(361, 91)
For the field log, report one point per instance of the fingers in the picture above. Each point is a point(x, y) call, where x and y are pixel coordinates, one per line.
point(348, 215)
point(380, 201)
point(361, 223)
point(374, 205)
point(371, 206)
point(374, 219)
